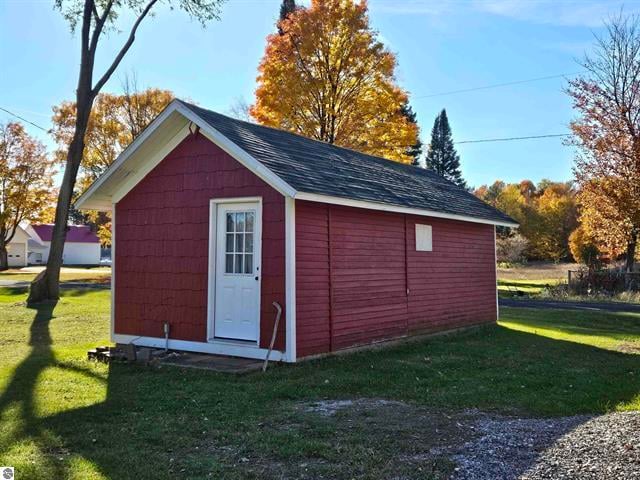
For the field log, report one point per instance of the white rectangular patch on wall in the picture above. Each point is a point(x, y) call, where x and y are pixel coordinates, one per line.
point(424, 238)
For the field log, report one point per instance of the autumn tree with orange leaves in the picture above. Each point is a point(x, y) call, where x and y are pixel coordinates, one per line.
point(607, 134)
point(26, 185)
point(546, 213)
point(115, 121)
point(325, 75)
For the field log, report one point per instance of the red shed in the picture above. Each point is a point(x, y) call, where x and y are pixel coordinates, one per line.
point(214, 219)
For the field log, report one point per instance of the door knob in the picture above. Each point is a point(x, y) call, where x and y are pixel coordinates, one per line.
point(257, 278)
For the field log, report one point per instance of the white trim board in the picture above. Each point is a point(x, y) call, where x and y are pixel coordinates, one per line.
point(152, 162)
point(215, 348)
point(123, 157)
point(290, 279)
point(112, 328)
point(347, 202)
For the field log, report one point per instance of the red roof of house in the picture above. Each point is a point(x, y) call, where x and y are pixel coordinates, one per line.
point(75, 233)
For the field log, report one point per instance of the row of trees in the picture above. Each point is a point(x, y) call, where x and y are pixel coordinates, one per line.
point(547, 214)
point(603, 209)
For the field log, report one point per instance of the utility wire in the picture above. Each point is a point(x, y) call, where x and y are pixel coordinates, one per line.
point(510, 139)
point(24, 120)
point(498, 85)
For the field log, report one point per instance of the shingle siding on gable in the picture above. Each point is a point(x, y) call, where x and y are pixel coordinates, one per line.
point(162, 238)
point(354, 267)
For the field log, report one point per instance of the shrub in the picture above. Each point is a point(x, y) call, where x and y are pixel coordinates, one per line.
point(584, 250)
point(511, 249)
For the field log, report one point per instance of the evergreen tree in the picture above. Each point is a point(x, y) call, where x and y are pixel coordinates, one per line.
point(286, 8)
point(414, 150)
point(442, 157)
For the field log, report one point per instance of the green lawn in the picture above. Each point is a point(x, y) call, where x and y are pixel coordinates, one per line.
point(529, 287)
point(64, 417)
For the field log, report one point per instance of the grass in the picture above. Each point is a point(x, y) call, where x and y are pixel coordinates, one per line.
point(514, 287)
point(531, 281)
point(64, 417)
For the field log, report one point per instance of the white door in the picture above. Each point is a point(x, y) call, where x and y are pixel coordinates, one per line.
point(237, 285)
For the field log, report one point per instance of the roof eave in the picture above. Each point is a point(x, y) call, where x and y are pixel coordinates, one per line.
point(94, 199)
point(386, 207)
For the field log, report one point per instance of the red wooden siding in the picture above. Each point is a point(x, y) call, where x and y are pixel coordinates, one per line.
point(162, 238)
point(455, 284)
point(359, 278)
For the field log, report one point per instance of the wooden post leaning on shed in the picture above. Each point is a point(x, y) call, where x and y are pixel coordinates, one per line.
point(273, 336)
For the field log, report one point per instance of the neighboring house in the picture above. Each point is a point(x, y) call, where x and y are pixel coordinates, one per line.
point(17, 250)
point(82, 246)
point(214, 219)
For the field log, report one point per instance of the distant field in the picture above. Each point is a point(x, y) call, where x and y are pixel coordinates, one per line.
point(68, 274)
point(541, 271)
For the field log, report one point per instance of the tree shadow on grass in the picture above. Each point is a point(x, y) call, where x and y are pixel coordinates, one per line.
point(18, 398)
point(17, 402)
point(151, 424)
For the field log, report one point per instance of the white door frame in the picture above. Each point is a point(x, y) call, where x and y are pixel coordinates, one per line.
point(239, 319)
point(211, 274)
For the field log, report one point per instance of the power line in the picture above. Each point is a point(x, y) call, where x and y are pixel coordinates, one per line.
point(24, 119)
point(498, 85)
point(510, 139)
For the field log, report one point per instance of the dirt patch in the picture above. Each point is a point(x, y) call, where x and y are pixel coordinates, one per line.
point(629, 347)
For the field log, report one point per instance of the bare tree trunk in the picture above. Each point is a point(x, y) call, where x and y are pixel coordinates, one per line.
point(4, 259)
point(631, 253)
point(47, 286)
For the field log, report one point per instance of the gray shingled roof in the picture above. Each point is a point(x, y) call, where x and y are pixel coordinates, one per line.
point(312, 166)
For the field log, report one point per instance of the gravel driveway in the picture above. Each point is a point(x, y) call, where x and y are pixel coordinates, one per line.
point(580, 447)
point(478, 445)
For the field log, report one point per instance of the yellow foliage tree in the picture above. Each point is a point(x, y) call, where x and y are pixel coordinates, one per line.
point(546, 213)
point(326, 76)
point(114, 122)
point(583, 248)
point(607, 135)
point(25, 183)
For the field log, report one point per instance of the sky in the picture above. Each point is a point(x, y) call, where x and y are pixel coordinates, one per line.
point(441, 46)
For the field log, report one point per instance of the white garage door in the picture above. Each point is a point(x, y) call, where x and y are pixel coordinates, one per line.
point(15, 252)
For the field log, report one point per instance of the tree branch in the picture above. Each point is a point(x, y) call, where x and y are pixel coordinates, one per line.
point(125, 48)
point(100, 21)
